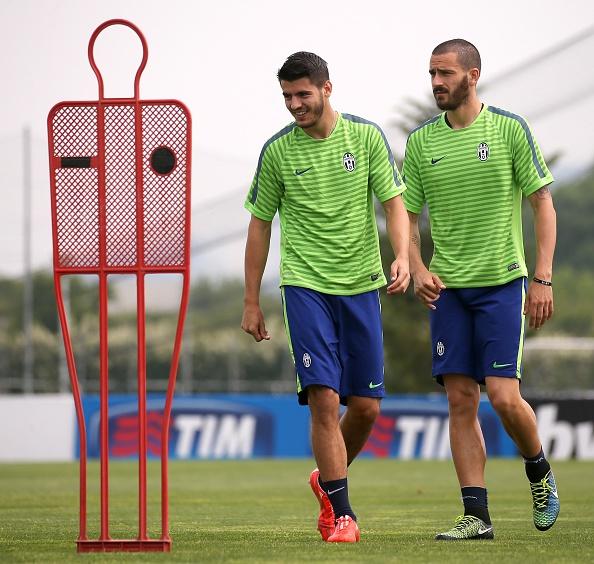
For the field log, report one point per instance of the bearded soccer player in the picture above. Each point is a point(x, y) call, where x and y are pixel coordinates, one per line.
point(321, 174)
point(471, 165)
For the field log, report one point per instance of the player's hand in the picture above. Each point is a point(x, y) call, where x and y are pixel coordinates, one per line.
point(428, 287)
point(399, 276)
point(539, 304)
point(253, 322)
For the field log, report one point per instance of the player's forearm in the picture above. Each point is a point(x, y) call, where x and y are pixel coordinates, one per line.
point(397, 226)
point(416, 260)
point(545, 229)
point(256, 254)
point(545, 226)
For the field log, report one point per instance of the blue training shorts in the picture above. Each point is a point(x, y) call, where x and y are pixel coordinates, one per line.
point(479, 332)
point(335, 341)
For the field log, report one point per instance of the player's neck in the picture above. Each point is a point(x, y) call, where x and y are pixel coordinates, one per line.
point(324, 127)
point(465, 114)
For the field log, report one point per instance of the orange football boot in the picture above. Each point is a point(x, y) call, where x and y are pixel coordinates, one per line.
point(346, 530)
point(326, 518)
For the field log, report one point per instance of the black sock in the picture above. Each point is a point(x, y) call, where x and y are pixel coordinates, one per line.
point(475, 503)
point(338, 494)
point(536, 467)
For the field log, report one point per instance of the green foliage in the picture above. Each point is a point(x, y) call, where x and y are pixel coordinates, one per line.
point(575, 234)
point(573, 290)
point(11, 305)
point(46, 341)
point(263, 511)
point(215, 348)
point(218, 356)
point(11, 302)
point(216, 305)
point(222, 352)
point(45, 368)
point(574, 257)
point(407, 342)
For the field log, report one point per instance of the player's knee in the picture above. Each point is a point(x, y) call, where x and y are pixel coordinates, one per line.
point(462, 402)
point(503, 404)
point(365, 412)
point(323, 403)
point(460, 398)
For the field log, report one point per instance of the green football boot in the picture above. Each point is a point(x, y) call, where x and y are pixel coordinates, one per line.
point(467, 527)
point(545, 502)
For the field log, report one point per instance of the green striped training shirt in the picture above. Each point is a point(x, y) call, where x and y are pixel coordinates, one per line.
point(472, 180)
point(323, 190)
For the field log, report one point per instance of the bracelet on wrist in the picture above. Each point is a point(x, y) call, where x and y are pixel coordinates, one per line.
point(543, 282)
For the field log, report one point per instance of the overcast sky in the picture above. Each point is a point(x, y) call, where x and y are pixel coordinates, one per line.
point(220, 58)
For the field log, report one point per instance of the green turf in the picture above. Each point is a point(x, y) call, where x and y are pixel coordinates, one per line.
point(263, 511)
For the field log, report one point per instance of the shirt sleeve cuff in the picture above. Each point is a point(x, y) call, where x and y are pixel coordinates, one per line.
point(392, 193)
point(258, 213)
point(538, 185)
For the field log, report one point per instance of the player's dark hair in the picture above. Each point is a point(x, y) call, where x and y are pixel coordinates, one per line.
point(304, 64)
point(468, 55)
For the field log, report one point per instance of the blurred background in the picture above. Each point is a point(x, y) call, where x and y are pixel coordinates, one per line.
point(221, 59)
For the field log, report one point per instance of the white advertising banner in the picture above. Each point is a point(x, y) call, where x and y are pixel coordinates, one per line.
point(37, 428)
point(43, 428)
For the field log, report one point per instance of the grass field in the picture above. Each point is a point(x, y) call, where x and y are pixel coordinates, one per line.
point(263, 511)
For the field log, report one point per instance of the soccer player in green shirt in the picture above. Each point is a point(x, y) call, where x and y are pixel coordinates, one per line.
point(471, 165)
point(321, 173)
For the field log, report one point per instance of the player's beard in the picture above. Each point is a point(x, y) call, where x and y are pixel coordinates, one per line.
point(314, 113)
point(457, 96)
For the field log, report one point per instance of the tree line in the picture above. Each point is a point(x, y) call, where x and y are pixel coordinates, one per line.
point(219, 357)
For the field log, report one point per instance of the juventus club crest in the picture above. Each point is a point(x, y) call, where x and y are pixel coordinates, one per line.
point(349, 162)
point(482, 151)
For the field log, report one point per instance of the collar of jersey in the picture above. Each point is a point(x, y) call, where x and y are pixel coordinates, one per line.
point(338, 126)
point(480, 117)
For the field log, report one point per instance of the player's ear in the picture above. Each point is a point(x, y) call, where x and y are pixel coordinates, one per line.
point(474, 75)
point(327, 89)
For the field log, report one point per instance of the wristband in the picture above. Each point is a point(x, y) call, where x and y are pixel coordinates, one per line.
point(543, 282)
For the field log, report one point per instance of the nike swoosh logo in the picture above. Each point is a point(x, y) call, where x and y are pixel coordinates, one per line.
point(495, 365)
point(482, 531)
point(435, 161)
point(330, 492)
point(372, 385)
point(302, 171)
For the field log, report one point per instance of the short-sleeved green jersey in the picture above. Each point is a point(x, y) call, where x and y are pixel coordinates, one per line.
point(323, 190)
point(472, 180)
